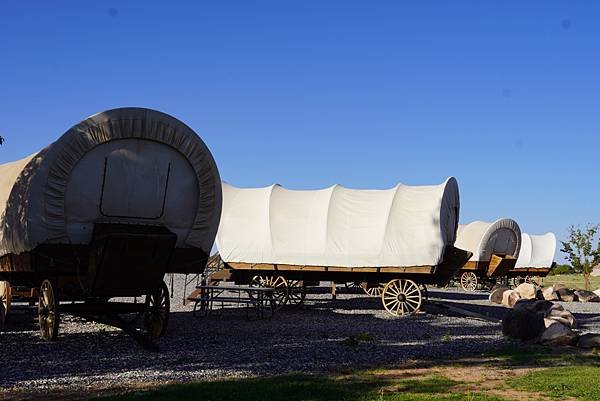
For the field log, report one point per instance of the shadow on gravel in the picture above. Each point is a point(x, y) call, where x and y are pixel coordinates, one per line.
point(463, 296)
point(324, 335)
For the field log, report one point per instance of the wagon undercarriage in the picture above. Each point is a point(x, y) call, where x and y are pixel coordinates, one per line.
point(401, 289)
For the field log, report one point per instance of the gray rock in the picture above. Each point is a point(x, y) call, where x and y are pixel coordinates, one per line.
point(527, 291)
point(589, 340)
point(559, 314)
point(523, 325)
point(534, 305)
point(550, 294)
point(586, 296)
point(566, 295)
point(558, 286)
point(557, 333)
point(496, 294)
point(510, 298)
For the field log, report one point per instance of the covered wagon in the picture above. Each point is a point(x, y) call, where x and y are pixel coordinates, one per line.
point(402, 237)
point(495, 247)
point(536, 258)
point(116, 202)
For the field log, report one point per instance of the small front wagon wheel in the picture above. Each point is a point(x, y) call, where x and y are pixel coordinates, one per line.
point(156, 313)
point(296, 292)
point(48, 311)
point(401, 297)
point(372, 289)
point(280, 288)
point(469, 281)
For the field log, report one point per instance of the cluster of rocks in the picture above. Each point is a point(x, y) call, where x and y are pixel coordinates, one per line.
point(558, 292)
point(536, 318)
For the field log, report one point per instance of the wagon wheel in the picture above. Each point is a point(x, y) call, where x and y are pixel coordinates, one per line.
point(469, 281)
point(401, 297)
point(353, 286)
point(424, 292)
point(5, 299)
point(279, 285)
point(48, 311)
point(156, 314)
point(296, 292)
point(372, 289)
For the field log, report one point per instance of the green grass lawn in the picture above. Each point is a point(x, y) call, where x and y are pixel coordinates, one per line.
point(582, 382)
point(571, 281)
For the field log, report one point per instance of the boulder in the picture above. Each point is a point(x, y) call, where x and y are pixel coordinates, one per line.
point(589, 340)
point(496, 294)
point(550, 294)
point(586, 296)
point(527, 291)
point(562, 316)
point(558, 286)
point(566, 295)
point(534, 305)
point(510, 298)
point(557, 334)
point(523, 325)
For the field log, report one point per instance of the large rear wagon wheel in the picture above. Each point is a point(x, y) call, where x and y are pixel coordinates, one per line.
point(156, 314)
point(401, 297)
point(5, 299)
point(469, 281)
point(48, 315)
point(279, 285)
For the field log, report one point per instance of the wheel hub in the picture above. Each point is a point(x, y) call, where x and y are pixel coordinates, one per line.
point(401, 298)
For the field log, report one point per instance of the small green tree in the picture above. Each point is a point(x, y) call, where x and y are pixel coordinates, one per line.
point(583, 250)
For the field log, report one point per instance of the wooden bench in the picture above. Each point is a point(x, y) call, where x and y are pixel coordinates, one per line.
point(257, 299)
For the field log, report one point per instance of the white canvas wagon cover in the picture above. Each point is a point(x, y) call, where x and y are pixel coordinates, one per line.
point(502, 237)
point(338, 226)
point(128, 165)
point(537, 251)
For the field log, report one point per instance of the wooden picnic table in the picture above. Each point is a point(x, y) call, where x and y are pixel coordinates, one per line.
point(255, 298)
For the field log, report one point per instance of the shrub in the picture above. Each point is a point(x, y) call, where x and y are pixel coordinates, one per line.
point(562, 269)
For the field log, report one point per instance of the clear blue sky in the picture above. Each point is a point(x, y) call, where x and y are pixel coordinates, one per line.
point(503, 95)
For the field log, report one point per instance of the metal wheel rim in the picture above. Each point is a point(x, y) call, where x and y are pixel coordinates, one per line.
point(401, 297)
point(468, 281)
point(280, 286)
point(156, 315)
point(296, 292)
point(47, 311)
point(371, 290)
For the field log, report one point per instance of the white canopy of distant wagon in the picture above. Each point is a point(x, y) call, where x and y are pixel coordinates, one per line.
point(338, 226)
point(495, 248)
point(536, 258)
point(537, 251)
point(501, 237)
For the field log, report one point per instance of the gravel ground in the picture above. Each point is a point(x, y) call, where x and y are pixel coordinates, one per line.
point(88, 357)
